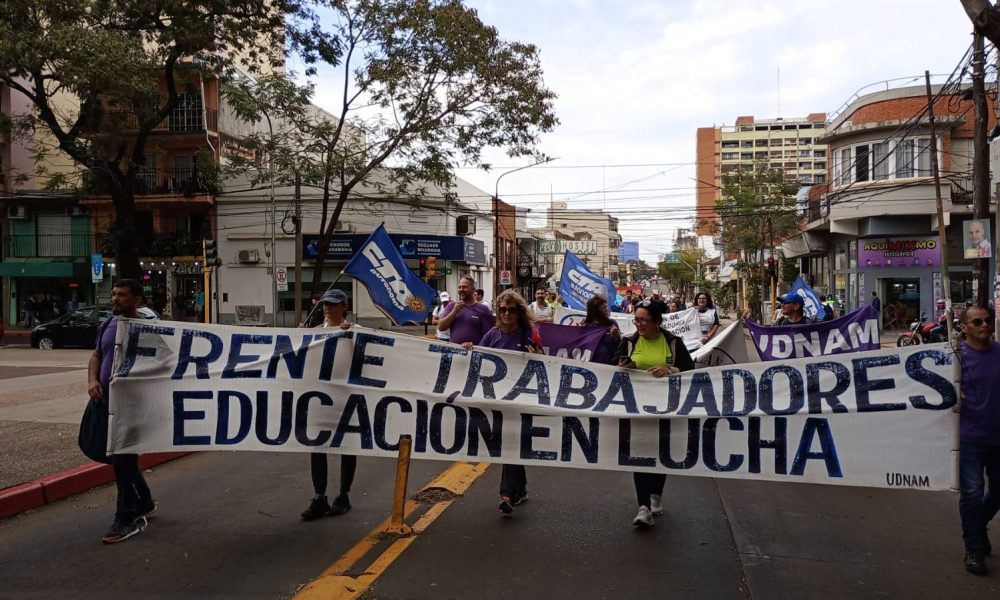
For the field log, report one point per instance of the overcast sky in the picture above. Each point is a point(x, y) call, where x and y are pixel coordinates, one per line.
point(636, 78)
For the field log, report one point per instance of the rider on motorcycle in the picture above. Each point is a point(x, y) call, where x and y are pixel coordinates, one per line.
point(938, 332)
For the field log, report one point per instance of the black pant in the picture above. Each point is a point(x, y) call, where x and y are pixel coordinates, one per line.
point(132, 488)
point(647, 484)
point(318, 468)
point(513, 481)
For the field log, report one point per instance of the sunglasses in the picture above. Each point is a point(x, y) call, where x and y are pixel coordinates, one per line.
point(507, 309)
point(645, 304)
point(980, 322)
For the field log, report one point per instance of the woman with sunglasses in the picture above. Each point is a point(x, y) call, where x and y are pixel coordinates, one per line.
point(513, 331)
point(657, 351)
point(708, 316)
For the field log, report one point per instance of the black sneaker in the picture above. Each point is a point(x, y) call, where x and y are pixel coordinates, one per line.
point(123, 530)
point(506, 506)
point(318, 507)
point(974, 562)
point(341, 504)
point(146, 508)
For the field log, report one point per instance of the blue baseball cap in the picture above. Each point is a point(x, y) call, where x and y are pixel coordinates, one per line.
point(791, 298)
point(333, 297)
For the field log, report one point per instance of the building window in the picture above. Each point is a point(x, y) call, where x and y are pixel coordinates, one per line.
point(880, 160)
point(746, 144)
point(842, 167)
point(746, 156)
point(861, 166)
point(731, 144)
point(819, 153)
point(730, 156)
point(805, 153)
point(819, 178)
point(819, 165)
point(760, 143)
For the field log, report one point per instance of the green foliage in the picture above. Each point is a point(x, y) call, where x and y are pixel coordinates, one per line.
point(681, 276)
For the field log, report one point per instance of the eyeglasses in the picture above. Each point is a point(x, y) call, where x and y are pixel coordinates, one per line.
point(506, 309)
point(641, 321)
point(980, 322)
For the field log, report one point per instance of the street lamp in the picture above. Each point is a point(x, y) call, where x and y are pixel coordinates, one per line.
point(496, 213)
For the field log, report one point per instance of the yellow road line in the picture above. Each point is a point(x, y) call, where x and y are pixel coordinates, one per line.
point(332, 584)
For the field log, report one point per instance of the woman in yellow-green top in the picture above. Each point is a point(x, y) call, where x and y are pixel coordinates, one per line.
point(657, 351)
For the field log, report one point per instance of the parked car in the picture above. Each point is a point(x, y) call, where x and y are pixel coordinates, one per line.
point(77, 328)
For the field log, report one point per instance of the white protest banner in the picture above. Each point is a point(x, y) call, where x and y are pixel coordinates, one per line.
point(881, 418)
point(728, 347)
point(683, 324)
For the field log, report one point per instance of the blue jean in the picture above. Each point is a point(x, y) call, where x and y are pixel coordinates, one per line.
point(977, 503)
point(132, 487)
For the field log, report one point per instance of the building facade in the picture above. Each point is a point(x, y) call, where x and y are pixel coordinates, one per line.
point(873, 228)
point(587, 225)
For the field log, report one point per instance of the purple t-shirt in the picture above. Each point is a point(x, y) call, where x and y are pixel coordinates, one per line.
point(501, 340)
point(471, 324)
point(979, 421)
point(106, 348)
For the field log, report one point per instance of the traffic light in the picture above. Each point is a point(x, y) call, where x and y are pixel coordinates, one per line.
point(771, 266)
point(423, 267)
point(210, 252)
point(432, 263)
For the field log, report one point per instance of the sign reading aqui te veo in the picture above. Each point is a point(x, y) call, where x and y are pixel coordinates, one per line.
point(879, 419)
point(578, 247)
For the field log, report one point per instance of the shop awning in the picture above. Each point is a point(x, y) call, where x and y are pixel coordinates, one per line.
point(40, 267)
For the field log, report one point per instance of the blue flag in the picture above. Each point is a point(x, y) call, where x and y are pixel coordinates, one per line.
point(394, 288)
point(811, 305)
point(579, 284)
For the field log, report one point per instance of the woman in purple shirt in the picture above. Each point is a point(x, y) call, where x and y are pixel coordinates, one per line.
point(513, 331)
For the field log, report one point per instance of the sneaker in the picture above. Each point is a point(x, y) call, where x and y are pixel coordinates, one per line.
point(506, 505)
point(974, 562)
point(643, 518)
point(146, 508)
point(318, 507)
point(519, 499)
point(656, 504)
point(123, 530)
point(341, 504)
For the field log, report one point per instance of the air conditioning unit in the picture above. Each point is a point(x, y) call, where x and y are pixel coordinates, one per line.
point(17, 211)
point(248, 257)
point(76, 211)
point(340, 226)
point(465, 225)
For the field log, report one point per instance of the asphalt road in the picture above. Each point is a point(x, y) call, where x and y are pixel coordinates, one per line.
point(228, 527)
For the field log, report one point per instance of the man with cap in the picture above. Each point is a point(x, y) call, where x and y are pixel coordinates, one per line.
point(791, 310)
point(443, 299)
point(334, 306)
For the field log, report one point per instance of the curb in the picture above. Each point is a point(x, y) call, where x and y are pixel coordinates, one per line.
point(50, 488)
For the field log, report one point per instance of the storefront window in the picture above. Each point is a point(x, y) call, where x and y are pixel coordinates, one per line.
point(961, 288)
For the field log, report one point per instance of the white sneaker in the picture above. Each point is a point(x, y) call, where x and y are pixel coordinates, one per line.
point(656, 504)
point(643, 518)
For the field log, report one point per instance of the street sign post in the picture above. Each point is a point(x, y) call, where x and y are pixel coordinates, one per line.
point(281, 278)
point(672, 257)
point(505, 278)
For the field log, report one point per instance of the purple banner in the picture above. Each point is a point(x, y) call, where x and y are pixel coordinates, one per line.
point(853, 332)
point(917, 251)
point(570, 341)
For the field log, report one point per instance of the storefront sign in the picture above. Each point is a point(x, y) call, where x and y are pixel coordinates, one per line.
point(96, 268)
point(914, 251)
point(578, 247)
point(445, 247)
point(187, 269)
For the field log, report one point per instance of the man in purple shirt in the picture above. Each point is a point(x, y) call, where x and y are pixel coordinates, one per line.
point(979, 436)
point(466, 319)
point(135, 501)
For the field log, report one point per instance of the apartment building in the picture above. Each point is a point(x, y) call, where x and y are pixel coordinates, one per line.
point(591, 225)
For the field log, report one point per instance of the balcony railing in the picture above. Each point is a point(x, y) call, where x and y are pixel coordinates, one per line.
point(60, 245)
point(180, 120)
point(154, 245)
point(149, 182)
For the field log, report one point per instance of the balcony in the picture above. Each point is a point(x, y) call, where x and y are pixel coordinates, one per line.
point(180, 120)
point(157, 182)
point(155, 245)
point(63, 245)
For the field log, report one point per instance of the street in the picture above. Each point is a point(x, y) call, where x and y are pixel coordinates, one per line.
point(228, 526)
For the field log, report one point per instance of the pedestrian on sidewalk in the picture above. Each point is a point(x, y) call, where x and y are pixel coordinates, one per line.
point(334, 306)
point(135, 501)
point(513, 331)
point(30, 310)
point(979, 436)
point(657, 351)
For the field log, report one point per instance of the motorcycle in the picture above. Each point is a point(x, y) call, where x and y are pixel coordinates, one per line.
point(921, 332)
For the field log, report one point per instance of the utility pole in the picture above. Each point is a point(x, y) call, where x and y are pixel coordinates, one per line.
point(942, 240)
point(298, 249)
point(981, 167)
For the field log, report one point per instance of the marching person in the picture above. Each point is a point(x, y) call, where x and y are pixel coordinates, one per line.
point(466, 320)
point(979, 436)
point(657, 351)
point(598, 315)
point(443, 299)
point(541, 312)
point(513, 331)
point(334, 306)
point(792, 313)
point(708, 316)
point(135, 501)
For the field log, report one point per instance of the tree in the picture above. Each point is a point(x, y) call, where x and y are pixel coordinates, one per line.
point(113, 56)
point(682, 276)
point(757, 210)
point(423, 87)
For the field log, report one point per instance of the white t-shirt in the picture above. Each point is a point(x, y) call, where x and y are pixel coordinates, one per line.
point(707, 319)
point(541, 312)
point(441, 335)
